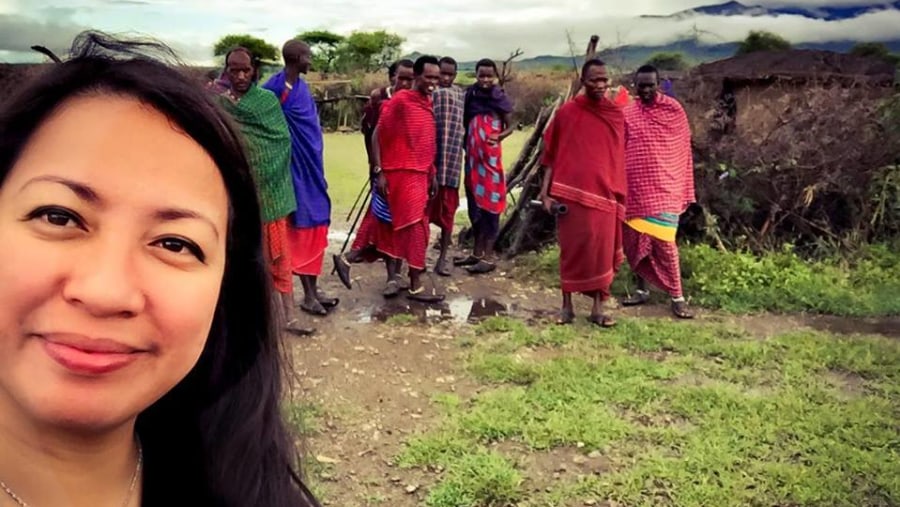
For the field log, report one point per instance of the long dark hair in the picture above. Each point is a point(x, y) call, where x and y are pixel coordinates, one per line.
point(217, 438)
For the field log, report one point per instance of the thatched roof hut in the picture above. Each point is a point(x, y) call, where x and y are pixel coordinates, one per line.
point(824, 67)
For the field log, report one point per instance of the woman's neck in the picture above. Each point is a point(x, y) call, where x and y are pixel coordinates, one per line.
point(47, 466)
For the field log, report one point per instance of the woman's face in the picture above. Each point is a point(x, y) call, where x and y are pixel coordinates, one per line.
point(486, 76)
point(113, 226)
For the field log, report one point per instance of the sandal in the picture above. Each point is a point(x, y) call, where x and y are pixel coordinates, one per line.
point(638, 299)
point(294, 328)
point(566, 317)
point(471, 260)
point(420, 296)
point(482, 267)
point(680, 310)
point(391, 289)
point(442, 269)
point(317, 309)
point(342, 266)
point(326, 301)
point(604, 321)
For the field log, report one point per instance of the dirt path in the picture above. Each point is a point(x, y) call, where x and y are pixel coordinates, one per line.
point(374, 366)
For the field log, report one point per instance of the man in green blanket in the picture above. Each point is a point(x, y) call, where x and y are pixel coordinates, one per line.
point(268, 140)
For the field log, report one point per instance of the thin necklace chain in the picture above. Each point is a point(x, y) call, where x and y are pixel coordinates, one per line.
point(131, 486)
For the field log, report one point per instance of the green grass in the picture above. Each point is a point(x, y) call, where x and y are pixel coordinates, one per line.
point(741, 282)
point(346, 167)
point(686, 414)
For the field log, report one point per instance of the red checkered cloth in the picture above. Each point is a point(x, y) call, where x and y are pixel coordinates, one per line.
point(407, 133)
point(442, 209)
point(407, 193)
point(278, 254)
point(654, 260)
point(374, 238)
point(308, 245)
point(658, 160)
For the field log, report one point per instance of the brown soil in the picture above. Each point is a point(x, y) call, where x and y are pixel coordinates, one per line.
point(373, 377)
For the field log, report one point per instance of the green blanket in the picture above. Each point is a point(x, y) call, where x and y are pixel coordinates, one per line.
point(268, 141)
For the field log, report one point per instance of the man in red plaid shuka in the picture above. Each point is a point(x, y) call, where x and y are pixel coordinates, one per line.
point(660, 171)
point(404, 150)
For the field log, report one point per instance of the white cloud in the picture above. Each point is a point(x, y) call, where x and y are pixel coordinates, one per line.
point(466, 29)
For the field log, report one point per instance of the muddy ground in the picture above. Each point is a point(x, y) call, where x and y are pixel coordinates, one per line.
point(369, 375)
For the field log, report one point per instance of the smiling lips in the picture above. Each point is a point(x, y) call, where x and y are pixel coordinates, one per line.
point(89, 356)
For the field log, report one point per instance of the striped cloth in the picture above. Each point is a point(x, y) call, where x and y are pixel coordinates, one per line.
point(449, 106)
point(484, 164)
point(663, 226)
point(658, 159)
point(654, 260)
point(261, 121)
point(407, 134)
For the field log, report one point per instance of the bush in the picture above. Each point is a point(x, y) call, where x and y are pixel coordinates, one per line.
point(530, 92)
point(763, 41)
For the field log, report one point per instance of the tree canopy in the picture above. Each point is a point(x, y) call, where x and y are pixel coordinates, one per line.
point(324, 46)
point(257, 46)
point(875, 49)
point(762, 41)
point(669, 61)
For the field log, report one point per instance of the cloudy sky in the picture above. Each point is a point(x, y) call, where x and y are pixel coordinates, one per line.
point(466, 29)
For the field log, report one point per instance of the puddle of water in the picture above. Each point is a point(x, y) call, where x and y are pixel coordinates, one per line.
point(458, 309)
point(888, 326)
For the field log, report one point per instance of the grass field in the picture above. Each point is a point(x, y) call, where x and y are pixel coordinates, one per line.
point(346, 166)
point(658, 413)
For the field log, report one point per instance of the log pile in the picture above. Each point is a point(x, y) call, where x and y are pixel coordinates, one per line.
point(526, 227)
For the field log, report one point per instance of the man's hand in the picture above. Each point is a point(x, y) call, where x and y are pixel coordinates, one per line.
point(493, 139)
point(548, 203)
point(433, 187)
point(381, 185)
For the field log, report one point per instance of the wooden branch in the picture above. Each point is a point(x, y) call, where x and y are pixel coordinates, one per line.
point(588, 54)
point(328, 100)
point(506, 70)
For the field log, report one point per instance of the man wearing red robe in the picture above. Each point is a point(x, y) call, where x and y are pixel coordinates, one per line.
point(584, 168)
point(404, 149)
point(660, 170)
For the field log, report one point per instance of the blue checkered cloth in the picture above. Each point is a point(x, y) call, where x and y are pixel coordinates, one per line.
point(449, 107)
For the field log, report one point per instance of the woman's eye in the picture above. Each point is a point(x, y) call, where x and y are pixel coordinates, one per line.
point(57, 217)
point(181, 247)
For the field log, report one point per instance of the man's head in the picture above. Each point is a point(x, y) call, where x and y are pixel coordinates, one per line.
point(428, 74)
point(241, 69)
point(646, 81)
point(297, 55)
point(486, 73)
point(405, 75)
point(594, 78)
point(448, 71)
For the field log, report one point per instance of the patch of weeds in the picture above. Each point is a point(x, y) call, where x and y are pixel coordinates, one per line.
point(438, 448)
point(783, 281)
point(401, 320)
point(480, 479)
point(303, 417)
point(496, 368)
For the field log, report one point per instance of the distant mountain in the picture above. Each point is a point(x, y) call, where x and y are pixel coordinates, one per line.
point(694, 52)
point(826, 13)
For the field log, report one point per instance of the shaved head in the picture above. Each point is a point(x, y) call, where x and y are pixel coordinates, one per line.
point(297, 55)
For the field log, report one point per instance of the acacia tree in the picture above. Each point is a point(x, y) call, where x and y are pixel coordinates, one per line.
point(369, 51)
point(324, 46)
point(876, 50)
point(668, 61)
point(257, 46)
point(761, 40)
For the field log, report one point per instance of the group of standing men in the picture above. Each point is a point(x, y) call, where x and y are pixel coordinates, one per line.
point(625, 175)
point(420, 133)
point(622, 168)
point(280, 125)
